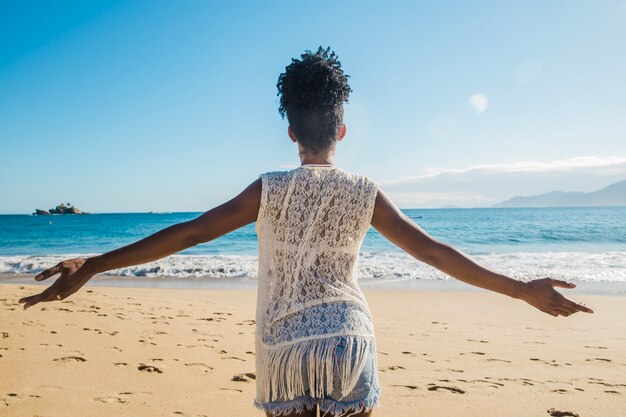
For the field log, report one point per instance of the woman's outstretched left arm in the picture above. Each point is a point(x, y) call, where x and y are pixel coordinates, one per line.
point(235, 213)
point(390, 222)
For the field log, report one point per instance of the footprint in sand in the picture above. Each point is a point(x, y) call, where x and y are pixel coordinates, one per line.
point(556, 413)
point(492, 384)
point(212, 318)
point(475, 353)
point(233, 357)
point(560, 391)
point(200, 365)
point(526, 381)
point(551, 363)
point(195, 346)
point(498, 360)
point(135, 393)
point(149, 368)
point(71, 359)
point(232, 389)
point(599, 359)
point(15, 395)
point(480, 341)
point(244, 377)
point(606, 384)
point(433, 387)
point(392, 368)
point(406, 386)
point(110, 400)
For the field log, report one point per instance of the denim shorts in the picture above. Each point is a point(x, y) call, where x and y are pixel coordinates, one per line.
point(365, 395)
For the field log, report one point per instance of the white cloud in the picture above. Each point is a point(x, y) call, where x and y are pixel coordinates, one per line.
point(487, 184)
point(580, 162)
point(478, 102)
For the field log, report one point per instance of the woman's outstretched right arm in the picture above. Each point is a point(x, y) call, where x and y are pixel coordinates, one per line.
point(398, 228)
point(235, 213)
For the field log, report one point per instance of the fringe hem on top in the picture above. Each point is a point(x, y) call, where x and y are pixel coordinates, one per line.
point(297, 405)
point(280, 374)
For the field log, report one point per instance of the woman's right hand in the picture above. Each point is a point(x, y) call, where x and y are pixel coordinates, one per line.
point(74, 274)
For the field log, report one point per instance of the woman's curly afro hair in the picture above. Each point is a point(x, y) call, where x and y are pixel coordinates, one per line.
point(312, 91)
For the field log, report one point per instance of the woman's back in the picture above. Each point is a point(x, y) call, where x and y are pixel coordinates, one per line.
point(311, 223)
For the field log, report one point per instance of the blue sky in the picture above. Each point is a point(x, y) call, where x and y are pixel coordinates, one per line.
point(171, 106)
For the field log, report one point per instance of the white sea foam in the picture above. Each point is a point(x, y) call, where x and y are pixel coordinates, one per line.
point(581, 266)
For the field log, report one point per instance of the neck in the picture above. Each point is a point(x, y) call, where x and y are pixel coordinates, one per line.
point(326, 157)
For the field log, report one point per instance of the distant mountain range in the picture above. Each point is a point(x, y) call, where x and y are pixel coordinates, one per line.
point(611, 195)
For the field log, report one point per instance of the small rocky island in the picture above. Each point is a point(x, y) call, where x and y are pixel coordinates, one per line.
point(60, 209)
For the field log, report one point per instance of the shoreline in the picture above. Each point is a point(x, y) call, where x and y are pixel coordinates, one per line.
point(608, 288)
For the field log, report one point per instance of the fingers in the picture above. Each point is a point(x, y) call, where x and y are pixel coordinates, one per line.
point(561, 283)
point(46, 295)
point(565, 308)
point(49, 272)
point(31, 301)
point(564, 311)
point(555, 312)
point(25, 299)
point(577, 306)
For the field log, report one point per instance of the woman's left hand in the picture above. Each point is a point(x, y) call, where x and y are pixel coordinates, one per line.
point(541, 295)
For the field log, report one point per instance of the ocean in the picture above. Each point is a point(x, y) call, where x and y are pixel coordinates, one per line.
point(578, 243)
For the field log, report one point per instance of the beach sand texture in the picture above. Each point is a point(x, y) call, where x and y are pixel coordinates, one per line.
point(180, 352)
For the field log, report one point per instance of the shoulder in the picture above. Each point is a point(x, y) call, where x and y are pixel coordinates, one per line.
point(274, 183)
point(275, 175)
point(361, 181)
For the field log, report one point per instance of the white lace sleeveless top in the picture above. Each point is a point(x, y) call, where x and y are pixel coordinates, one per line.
point(310, 227)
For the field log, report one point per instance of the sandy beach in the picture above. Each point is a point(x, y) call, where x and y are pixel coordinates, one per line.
point(189, 352)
